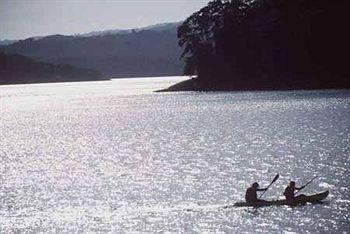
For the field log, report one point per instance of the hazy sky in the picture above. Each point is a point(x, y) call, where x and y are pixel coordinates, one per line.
point(20, 19)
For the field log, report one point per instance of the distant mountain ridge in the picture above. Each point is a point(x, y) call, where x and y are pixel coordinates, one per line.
point(155, 27)
point(149, 51)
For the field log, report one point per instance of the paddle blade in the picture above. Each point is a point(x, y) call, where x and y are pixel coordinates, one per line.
point(276, 178)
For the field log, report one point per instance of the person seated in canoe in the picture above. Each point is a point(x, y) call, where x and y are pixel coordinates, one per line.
point(289, 192)
point(251, 193)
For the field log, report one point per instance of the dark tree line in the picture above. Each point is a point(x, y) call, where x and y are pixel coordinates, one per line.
point(263, 44)
point(18, 69)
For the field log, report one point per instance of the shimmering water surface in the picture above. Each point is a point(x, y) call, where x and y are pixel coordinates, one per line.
point(115, 157)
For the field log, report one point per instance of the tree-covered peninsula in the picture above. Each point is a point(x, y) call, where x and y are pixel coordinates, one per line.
point(18, 69)
point(266, 45)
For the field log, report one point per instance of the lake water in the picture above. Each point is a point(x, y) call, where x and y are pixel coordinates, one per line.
point(113, 156)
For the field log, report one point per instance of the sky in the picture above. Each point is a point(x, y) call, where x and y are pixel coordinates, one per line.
point(20, 19)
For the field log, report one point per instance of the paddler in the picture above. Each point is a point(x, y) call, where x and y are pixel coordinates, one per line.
point(289, 192)
point(251, 193)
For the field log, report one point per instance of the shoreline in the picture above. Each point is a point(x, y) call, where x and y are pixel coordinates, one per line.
point(54, 82)
point(194, 84)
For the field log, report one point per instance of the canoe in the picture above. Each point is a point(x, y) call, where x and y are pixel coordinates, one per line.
point(302, 200)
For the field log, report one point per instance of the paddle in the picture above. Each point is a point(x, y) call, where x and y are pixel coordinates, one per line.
point(302, 187)
point(273, 181)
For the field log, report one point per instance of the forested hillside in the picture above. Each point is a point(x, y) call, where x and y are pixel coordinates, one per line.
point(152, 51)
point(17, 69)
point(268, 44)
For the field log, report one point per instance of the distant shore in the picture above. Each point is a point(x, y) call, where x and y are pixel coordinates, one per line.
point(18, 69)
point(52, 82)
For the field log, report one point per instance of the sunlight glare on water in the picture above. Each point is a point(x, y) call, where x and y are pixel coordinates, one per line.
point(113, 156)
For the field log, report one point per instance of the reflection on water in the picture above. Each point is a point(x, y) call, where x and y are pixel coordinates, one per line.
point(113, 156)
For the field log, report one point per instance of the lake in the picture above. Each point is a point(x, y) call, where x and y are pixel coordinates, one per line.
point(113, 156)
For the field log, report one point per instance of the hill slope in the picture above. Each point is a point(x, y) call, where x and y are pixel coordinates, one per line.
point(152, 52)
point(18, 69)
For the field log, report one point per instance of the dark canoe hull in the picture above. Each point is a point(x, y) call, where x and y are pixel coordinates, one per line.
point(318, 197)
